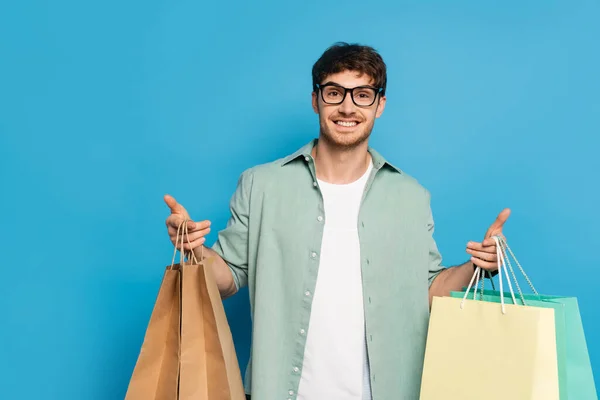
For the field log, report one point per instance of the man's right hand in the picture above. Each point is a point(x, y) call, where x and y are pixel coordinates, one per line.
point(196, 230)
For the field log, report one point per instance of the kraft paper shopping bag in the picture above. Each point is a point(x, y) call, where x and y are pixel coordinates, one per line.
point(190, 355)
point(156, 373)
point(209, 365)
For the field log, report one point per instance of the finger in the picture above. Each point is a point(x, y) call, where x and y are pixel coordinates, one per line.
point(499, 222)
point(171, 202)
point(490, 242)
point(174, 236)
point(187, 243)
point(175, 207)
point(198, 226)
point(194, 244)
point(482, 246)
point(487, 265)
point(482, 255)
point(196, 235)
point(174, 220)
point(503, 216)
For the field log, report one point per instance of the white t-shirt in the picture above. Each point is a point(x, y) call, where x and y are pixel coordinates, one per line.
point(335, 363)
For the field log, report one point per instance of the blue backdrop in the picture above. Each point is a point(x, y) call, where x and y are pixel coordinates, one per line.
point(107, 106)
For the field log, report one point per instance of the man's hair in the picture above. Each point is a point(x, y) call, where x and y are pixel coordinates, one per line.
point(350, 57)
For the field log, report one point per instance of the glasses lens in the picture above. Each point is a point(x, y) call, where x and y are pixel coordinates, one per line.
point(364, 96)
point(333, 94)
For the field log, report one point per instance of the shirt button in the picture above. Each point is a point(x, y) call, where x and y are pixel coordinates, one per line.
point(319, 218)
point(302, 332)
point(313, 254)
point(291, 392)
point(307, 293)
point(315, 184)
point(296, 369)
point(306, 158)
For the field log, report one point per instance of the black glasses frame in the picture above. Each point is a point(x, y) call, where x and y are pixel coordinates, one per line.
point(320, 87)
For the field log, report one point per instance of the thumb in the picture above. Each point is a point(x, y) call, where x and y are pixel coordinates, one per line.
point(503, 216)
point(175, 207)
point(498, 223)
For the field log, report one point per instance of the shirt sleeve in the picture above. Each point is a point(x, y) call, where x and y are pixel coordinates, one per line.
point(232, 242)
point(435, 258)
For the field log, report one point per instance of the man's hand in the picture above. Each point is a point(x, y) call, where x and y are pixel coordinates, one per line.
point(196, 236)
point(484, 254)
point(196, 230)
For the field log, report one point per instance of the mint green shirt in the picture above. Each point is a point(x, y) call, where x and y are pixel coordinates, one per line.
point(272, 243)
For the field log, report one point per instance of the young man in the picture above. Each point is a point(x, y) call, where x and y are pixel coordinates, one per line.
point(336, 246)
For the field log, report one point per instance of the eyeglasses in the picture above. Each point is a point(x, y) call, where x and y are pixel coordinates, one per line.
point(362, 96)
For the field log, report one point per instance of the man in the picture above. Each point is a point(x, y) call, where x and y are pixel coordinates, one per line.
point(336, 246)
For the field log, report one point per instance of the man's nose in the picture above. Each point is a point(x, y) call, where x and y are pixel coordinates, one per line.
point(347, 106)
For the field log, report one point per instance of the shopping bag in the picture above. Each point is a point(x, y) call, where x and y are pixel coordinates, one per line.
point(156, 373)
point(208, 363)
point(576, 379)
point(188, 351)
point(487, 350)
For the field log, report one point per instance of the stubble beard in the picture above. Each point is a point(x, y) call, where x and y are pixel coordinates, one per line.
point(347, 141)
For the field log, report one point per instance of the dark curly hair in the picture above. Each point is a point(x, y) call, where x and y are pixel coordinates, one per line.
point(350, 57)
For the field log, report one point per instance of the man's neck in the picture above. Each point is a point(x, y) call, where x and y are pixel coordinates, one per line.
point(340, 165)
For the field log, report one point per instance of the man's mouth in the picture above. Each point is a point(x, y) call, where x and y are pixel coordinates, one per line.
point(347, 124)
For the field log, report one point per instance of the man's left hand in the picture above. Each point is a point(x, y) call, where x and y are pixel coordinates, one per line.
point(483, 254)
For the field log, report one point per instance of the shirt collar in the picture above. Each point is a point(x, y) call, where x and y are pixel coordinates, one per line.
point(305, 151)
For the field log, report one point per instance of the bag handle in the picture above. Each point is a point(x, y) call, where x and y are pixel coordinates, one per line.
point(504, 264)
point(193, 255)
point(179, 228)
point(182, 232)
point(505, 248)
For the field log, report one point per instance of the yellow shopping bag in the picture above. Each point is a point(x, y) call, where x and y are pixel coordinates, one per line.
point(494, 351)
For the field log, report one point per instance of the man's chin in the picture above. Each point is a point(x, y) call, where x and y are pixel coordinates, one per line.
point(344, 139)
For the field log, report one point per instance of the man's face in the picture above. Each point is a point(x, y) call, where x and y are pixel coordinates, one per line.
point(346, 125)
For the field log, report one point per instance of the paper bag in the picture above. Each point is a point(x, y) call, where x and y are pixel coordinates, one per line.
point(188, 351)
point(477, 352)
point(156, 373)
point(486, 350)
point(576, 379)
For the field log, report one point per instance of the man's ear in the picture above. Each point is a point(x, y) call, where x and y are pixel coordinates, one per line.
point(380, 106)
point(315, 102)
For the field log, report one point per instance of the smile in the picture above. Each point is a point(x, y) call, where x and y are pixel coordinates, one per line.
point(346, 123)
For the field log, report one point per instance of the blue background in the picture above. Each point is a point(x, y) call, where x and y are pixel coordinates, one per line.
point(107, 106)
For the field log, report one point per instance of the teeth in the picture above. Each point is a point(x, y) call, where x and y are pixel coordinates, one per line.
point(345, 123)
